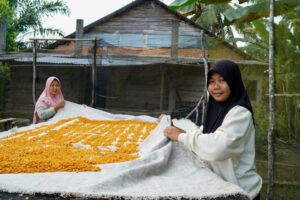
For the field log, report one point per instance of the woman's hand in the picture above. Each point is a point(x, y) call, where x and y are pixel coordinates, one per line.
point(160, 117)
point(59, 105)
point(173, 132)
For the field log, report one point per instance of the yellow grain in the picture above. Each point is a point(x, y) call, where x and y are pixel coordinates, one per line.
point(73, 145)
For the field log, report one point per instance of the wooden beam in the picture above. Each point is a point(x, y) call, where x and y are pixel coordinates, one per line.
point(285, 95)
point(8, 123)
point(64, 39)
point(174, 42)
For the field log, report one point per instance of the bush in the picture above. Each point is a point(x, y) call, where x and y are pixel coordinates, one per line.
point(4, 76)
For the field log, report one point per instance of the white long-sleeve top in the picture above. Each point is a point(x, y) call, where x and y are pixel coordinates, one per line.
point(230, 150)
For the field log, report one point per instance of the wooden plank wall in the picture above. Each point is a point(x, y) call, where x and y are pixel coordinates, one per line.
point(190, 87)
point(147, 17)
point(138, 88)
point(148, 28)
point(18, 92)
point(130, 88)
point(134, 88)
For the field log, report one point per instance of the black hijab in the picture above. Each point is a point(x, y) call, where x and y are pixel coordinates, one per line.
point(216, 111)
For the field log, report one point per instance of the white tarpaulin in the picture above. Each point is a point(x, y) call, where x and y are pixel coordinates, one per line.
point(165, 169)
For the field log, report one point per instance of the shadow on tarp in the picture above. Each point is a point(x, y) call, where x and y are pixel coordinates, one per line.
point(183, 113)
point(19, 196)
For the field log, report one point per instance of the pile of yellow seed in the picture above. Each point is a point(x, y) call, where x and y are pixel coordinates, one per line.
point(72, 145)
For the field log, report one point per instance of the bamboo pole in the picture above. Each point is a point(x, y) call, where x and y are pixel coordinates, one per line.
point(34, 49)
point(204, 103)
point(65, 39)
point(271, 105)
point(287, 95)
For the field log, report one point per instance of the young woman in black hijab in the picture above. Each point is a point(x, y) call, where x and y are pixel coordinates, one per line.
point(227, 138)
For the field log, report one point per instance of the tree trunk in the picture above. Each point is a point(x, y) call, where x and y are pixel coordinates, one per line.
point(271, 106)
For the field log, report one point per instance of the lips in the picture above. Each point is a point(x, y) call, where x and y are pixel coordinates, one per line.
point(217, 94)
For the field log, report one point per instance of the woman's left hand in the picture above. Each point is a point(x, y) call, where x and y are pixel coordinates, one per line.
point(172, 132)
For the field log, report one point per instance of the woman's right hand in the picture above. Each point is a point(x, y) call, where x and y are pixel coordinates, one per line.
point(173, 132)
point(59, 105)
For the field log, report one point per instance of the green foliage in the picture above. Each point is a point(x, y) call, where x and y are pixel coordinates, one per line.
point(260, 9)
point(24, 17)
point(183, 3)
point(4, 71)
point(4, 76)
point(31, 13)
point(12, 34)
point(210, 15)
point(7, 15)
point(6, 12)
point(261, 114)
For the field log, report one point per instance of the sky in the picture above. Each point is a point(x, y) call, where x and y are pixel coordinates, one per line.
point(88, 10)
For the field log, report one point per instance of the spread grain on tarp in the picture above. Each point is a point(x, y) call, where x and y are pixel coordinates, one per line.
point(72, 145)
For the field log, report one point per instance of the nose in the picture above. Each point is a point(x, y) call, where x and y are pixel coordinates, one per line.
point(216, 84)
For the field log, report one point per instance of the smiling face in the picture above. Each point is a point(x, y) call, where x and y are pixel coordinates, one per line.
point(218, 87)
point(54, 87)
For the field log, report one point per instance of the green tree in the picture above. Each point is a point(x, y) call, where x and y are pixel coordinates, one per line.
point(24, 17)
point(210, 15)
point(8, 15)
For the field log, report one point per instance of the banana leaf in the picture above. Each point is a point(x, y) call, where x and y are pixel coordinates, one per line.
point(261, 9)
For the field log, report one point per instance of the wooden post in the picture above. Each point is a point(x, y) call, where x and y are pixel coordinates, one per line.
point(174, 42)
point(94, 72)
point(162, 88)
point(34, 49)
point(78, 35)
point(271, 105)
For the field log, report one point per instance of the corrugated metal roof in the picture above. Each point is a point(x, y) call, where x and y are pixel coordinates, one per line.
point(110, 60)
point(68, 59)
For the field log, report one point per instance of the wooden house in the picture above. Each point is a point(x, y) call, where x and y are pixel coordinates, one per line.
point(149, 61)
